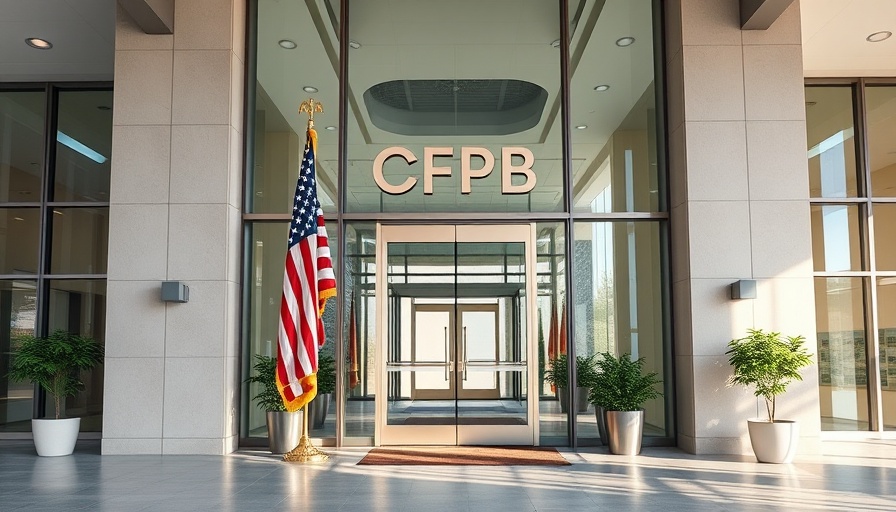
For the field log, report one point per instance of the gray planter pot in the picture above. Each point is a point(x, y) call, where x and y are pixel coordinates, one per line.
point(317, 410)
point(284, 430)
point(624, 429)
point(581, 399)
point(601, 416)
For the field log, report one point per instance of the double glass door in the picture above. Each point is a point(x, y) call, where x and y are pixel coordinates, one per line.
point(456, 329)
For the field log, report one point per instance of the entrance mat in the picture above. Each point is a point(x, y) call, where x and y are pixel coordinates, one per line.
point(464, 456)
point(463, 420)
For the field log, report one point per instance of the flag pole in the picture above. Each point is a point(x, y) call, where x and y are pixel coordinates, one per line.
point(306, 452)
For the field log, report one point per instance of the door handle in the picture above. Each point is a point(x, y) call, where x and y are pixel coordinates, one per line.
point(447, 361)
point(465, 353)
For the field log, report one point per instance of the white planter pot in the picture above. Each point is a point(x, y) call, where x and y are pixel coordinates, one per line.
point(53, 438)
point(774, 442)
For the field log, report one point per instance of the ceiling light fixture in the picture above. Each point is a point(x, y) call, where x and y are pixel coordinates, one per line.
point(625, 41)
point(582, 127)
point(17, 218)
point(354, 45)
point(57, 212)
point(555, 43)
point(65, 140)
point(40, 44)
point(331, 128)
point(879, 36)
point(309, 89)
point(601, 88)
point(286, 44)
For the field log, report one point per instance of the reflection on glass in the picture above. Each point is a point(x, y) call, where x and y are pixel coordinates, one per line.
point(836, 243)
point(550, 247)
point(21, 145)
point(619, 304)
point(79, 306)
point(359, 278)
point(80, 241)
point(267, 254)
point(842, 362)
point(613, 108)
point(280, 129)
point(83, 146)
point(18, 316)
point(884, 242)
point(831, 141)
point(886, 318)
point(880, 104)
point(19, 240)
point(481, 92)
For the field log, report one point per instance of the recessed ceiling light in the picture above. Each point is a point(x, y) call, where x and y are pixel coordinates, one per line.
point(601, 88)
point(555, 43)
point(17, 218)
point(57, 212)
point(309, 89)
point(625, 41)
point(354, 45)
point(287, 44)
point(582, 127)
point(331, 128)
point(879, 36)
point(40, 44)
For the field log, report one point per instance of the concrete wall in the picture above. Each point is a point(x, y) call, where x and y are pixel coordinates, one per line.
point(739, 210)
point(172, 380)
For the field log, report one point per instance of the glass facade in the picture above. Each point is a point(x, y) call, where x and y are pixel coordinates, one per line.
point(852, 168)
point(454, 114)
point(54, 210)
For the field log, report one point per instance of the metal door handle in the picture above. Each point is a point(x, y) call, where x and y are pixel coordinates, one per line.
point(465, 352)
point(447, 361)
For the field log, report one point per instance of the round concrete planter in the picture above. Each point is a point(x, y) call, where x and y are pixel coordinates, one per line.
point(624, 429)
point(284, 430)
point(774, 442)
point(55, 438)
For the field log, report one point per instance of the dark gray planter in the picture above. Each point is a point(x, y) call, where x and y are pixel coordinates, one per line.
point(581, 399)
point(601, 416)
point(317, 410)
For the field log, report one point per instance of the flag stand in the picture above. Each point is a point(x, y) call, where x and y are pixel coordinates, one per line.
point(305, 452)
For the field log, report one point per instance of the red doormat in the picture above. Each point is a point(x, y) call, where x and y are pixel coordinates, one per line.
point(464, 456)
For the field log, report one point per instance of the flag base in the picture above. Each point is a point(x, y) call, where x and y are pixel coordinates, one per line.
point(305, 453)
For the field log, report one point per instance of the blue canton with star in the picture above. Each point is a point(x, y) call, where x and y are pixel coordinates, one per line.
point(304, 208)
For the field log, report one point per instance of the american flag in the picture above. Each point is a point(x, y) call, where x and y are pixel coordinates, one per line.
point(308, 282)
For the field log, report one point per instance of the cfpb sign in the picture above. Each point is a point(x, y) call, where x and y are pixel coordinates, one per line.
point(467, 172)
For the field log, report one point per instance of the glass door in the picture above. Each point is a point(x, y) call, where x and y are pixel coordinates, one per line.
point(455, 321)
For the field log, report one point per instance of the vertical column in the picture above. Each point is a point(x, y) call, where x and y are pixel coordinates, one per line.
point(172, 380)
point(740, 210)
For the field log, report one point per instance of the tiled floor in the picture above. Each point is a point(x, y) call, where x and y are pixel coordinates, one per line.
point(660, 479)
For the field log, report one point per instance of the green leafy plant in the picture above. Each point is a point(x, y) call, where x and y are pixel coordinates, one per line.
point(326, 374)
point(265, 375)
point(620, 384)
point(54, 362)
point(585, 371)
point(768, 363)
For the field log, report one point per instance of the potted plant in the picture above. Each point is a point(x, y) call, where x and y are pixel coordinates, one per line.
point(326, 385)
point(284, 428)
point(556, 375)
point(54, 362)
point(621, 388)
point(769, 364)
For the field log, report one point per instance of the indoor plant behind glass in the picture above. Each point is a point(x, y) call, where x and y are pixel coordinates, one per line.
point(768, 363)
point(54, 362)
point(622, 388)
point(557, 376)
point(284, 428)
point(326, 385)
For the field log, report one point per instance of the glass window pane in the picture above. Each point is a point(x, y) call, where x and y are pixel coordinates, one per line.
point(21, 145)
point(886, 318)
point(83, 146)
point(836, 241)
point(79, 306)
point(18, 316)
point(552, 341)
point(19, 240)
point(884, 242)
point(613, 100)
point(880, 105)
point(266, 260)
point(842, 362)
point(360, 305)
point(619, 304)
point(831, 141)
point(294, 54)
point(80, 241)
point(462, 74)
